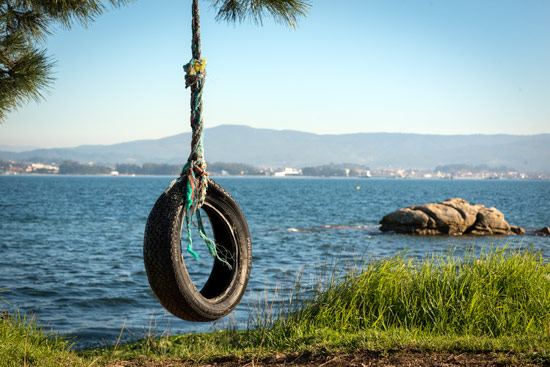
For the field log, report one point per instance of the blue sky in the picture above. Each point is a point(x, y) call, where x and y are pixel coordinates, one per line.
point(413, 66)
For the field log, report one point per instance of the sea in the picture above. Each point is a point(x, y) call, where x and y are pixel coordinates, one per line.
point(71, 246)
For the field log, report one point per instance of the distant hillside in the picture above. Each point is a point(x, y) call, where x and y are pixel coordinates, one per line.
point(14, 148)
point(265, 147)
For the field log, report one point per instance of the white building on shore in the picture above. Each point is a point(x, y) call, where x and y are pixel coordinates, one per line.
point(287, 171)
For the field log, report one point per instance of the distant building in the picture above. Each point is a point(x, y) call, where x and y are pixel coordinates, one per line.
point(287, 171)
point(42, 168)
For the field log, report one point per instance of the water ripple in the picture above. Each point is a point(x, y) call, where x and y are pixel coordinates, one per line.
point(71, 247)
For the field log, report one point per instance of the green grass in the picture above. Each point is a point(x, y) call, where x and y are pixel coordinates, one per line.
point(23, 344)
point(497, 300)
point(497, 293)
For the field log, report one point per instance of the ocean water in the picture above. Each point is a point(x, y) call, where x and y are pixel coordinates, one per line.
point(71, 247)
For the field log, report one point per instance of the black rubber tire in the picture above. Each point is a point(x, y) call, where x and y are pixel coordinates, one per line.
point(164, 262)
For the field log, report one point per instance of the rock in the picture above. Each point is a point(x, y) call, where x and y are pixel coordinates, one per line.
point(446, 219)
point(405, 221)
point(517, 230)
point(490, 221)
point(468, 211)
point(451, 217)
point(543, 232)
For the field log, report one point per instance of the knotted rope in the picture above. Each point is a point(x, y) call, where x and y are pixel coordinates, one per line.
point(194, 172)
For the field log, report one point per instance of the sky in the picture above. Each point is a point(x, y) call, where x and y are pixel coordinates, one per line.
point(407, 66)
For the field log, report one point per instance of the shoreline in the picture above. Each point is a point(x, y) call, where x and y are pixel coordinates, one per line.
point(391, 311)
point(297, 177)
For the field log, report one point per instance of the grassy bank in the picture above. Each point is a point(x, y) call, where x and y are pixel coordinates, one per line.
point(494, 301)
point(24, 343)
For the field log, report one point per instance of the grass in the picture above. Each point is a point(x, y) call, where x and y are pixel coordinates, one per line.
point(23, 344)
point(496, 300)
point(492, 294)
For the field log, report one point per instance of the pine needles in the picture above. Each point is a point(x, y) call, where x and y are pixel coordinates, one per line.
point(25, 69)
point(283, 11)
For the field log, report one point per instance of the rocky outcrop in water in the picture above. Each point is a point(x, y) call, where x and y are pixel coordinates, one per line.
point(451, 217)
point(543, 232)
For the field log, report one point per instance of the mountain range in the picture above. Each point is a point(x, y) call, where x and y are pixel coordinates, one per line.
point(289, 148)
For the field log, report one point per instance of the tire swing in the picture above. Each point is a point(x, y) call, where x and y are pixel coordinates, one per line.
point(193, 190)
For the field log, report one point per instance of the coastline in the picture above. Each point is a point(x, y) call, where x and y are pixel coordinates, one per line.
point(436, 319)
point(285, 177)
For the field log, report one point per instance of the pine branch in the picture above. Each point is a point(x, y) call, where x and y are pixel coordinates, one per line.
point(24, 67)
point(24, 79)
point(24, 24)
point(283, 11)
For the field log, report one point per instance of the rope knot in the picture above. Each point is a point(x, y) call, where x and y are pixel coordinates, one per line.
point(194, 169)
point(195, 70)
point(194, 173)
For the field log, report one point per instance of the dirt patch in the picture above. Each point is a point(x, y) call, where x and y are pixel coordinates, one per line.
point(359, 359)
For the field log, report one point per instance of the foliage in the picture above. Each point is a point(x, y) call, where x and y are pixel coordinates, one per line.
point(457, 167)
point(24, 24)
point(158, 169)
point(24, 343)
point(493, 301)
point(496, 301)
point(336, 170)
point(75, 168)
point(69, 167)
point(234, 169)
point(174, 170)
point(283, 11)
point(25, 69)
point(496, 293)
point(128, 169)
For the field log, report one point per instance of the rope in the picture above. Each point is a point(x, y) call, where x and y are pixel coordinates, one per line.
point(195, 169)
point(194, 172)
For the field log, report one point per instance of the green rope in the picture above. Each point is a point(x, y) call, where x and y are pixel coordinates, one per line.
point(186, 210)
point(194, 172)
